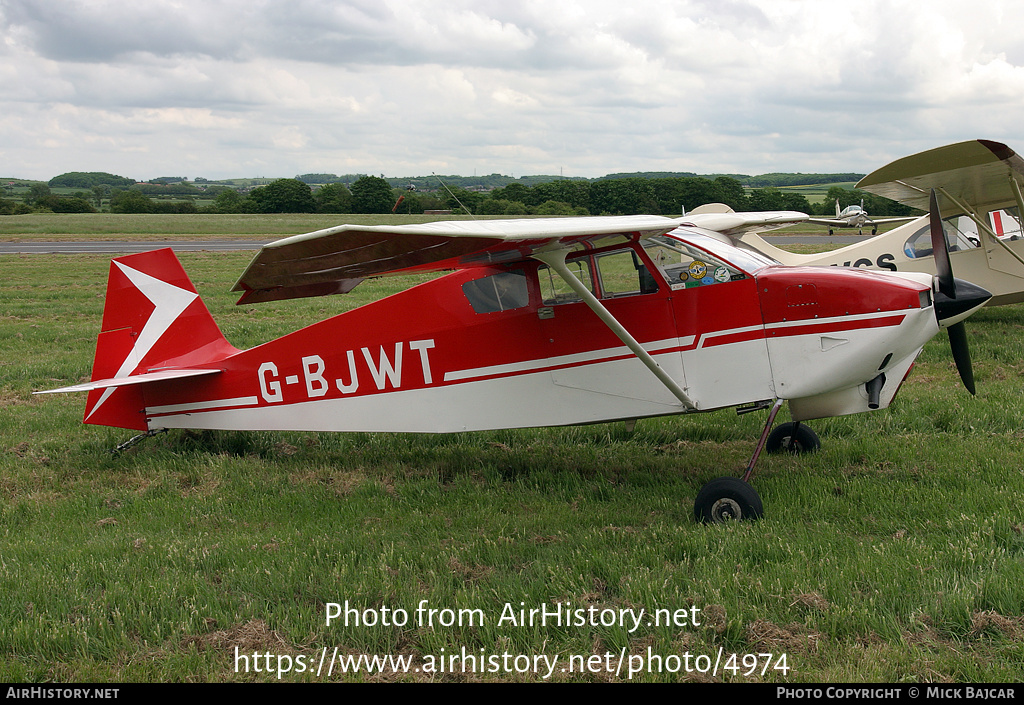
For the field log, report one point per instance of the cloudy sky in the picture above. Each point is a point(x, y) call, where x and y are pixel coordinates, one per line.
point(230, 88)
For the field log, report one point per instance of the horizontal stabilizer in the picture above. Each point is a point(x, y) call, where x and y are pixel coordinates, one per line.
point(326, 261)
point(976, 172)
point(158, 376)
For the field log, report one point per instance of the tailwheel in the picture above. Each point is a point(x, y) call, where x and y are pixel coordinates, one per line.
point(794, 438)
point(725, 499)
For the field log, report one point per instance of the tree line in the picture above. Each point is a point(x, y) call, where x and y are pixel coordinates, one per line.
point(624, 195)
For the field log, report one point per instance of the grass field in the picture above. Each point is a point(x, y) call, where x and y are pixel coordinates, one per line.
point(105, 226)
point(895, 554)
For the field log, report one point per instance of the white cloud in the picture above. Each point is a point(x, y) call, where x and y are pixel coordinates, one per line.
point(404, 87)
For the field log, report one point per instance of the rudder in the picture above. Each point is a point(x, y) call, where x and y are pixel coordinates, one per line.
point(153, 318)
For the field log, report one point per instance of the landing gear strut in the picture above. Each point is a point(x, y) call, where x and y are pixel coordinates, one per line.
point(727, 498)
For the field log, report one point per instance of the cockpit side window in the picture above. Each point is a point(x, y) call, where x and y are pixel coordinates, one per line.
point(607, 275)
point(622, 273)
point(498, 292)
point(554, 289)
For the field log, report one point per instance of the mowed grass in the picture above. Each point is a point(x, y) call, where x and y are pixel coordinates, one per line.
point(896, 553)
point(116, 226)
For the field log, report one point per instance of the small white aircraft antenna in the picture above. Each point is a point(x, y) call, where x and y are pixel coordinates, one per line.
point(453, 196)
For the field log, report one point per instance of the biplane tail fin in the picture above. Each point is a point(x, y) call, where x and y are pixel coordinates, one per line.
point(155, 329)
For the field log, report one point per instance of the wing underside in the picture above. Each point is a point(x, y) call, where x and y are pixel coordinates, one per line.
point(977, 172)
point(334, 260)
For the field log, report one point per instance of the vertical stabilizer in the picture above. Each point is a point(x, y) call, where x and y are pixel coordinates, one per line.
point(153, 319)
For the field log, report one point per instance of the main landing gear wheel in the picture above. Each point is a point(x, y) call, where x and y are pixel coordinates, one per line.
point(725, 499)
point(794, 438)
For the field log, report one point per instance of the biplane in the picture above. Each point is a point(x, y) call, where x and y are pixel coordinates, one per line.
point(854, 216)
point(979, 192)
point(543, 322)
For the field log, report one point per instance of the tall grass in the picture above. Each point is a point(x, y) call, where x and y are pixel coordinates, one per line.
point(893, 554)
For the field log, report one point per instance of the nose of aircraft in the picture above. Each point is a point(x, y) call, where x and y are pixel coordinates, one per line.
point(968, 298)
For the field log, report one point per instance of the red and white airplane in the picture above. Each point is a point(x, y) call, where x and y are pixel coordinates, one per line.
point(544, 322)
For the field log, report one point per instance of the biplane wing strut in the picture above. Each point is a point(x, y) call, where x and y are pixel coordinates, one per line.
point(556, 260)
point(984, 230)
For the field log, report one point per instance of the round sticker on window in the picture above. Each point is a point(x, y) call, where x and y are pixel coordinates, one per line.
point(721, 274)
point(698, 269)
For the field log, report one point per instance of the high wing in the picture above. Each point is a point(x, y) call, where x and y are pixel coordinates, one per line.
point(722, 219)
point(977, 172)
point(335, 260)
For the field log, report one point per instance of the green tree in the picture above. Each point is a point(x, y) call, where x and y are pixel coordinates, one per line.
point(36, 193)
point(773, 199)
point(575, 192)
point(100, 192)
point(629, 196)
point(514, 192)
point(767, 199)
point(731, 193)
point(495, 206)
point(88, 179)
point(459, 199)
point(372, 194)
point(227, 201)
point(283, 196)
point(72, 205)
point(131, 202)
point(333, 198)
point(554, 208)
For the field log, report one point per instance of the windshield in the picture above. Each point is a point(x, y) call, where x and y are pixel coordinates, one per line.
point(919, 244)
point(746, 260)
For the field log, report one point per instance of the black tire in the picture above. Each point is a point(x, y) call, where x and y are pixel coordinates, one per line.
point(727, 499)
point(792, 438)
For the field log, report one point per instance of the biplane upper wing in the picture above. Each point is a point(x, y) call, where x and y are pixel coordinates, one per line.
point(977, 172)
point(334, 260)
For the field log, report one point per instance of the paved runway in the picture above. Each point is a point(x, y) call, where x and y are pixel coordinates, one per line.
point(122, 247)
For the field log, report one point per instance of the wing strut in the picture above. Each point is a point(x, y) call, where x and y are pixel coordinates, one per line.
point(983, 227)
point(556, 260)
point(1018, 197)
